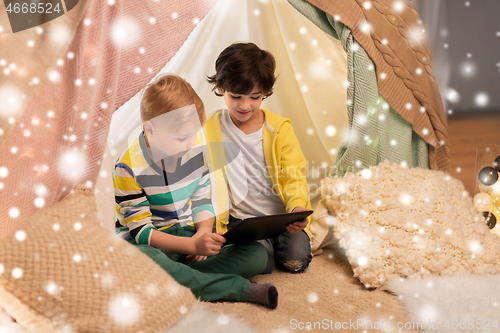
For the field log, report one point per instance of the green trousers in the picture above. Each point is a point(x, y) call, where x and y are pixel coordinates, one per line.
point(219, 277)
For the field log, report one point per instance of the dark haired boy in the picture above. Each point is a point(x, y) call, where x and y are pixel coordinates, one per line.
point(273, 178)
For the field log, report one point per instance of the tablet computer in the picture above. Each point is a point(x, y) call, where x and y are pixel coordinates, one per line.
point(262, 227)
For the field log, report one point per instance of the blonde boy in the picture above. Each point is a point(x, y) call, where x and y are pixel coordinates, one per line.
point(162, 186)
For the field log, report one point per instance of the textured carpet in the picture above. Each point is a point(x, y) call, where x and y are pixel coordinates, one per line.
point(452, 304)
point(324, 296)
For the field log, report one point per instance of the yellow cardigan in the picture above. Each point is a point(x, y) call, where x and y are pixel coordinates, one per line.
point(285, 162)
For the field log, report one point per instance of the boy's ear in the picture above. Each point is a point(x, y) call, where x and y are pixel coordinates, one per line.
point(221, 91)
point(148, 128)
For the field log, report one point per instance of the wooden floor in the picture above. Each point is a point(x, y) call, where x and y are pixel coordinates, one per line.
point(466, 133)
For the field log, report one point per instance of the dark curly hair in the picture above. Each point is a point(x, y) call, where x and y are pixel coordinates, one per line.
point(240, 67)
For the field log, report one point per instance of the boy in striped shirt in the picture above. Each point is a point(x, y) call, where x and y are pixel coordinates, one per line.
point(162, 194)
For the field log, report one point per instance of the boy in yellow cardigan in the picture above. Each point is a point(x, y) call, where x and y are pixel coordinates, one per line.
point(256, 163)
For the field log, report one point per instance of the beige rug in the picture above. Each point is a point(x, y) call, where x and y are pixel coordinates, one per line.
point(326, 293)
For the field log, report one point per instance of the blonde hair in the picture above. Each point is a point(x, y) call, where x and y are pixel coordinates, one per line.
point(168, 93)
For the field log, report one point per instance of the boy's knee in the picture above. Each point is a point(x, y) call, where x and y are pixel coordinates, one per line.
point(256, 258)
point(261, 258)
point(297, 265)
point(293, 265)
point(295, 252)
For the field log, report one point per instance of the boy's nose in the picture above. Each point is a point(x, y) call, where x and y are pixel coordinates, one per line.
point(244, 105)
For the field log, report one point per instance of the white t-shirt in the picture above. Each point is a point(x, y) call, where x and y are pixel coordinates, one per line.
point(251, 189)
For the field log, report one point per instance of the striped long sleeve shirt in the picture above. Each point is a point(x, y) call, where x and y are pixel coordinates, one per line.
point(147, 197)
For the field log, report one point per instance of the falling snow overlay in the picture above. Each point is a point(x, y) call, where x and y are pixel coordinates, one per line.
point(416, 90)
point(73, 274)
point(59, 138)
point(410, 223)
point(49, 144)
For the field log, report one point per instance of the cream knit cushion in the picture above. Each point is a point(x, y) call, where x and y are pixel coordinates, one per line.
point(394, 221)
point(61, 272)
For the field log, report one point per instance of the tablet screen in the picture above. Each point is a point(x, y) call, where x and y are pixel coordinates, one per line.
point(262, 227)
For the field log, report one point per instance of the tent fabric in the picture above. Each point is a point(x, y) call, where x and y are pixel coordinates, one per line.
point(60, 138)
point(376, 131)
point(28, 59)
point(393, 37)
point(311, 70)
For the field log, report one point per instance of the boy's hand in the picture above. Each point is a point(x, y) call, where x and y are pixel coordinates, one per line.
point(208, 244)
point(190, 258)
point(299, 225)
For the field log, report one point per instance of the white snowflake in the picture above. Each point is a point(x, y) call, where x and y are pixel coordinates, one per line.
point(312, 297)
point(14, 212)
point(12, 100)
point(481, 99)
point(330, 130)
point(406, 199)
point(52, 288)
point(428, 312)
point(72, 164)
point(223, 320)
point(362, 261)
point(468, 69)
point(366, 27)
point(398, 6)
point(20, 235)
point(452, 95)
point(366, 173)
point(124, 309)
point(17, 273)
point(125, 31)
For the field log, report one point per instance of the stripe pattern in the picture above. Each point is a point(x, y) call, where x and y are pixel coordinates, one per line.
point(84, 111)
point(147, 197)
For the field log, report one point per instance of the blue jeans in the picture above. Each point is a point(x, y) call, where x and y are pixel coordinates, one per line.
point(292, 251)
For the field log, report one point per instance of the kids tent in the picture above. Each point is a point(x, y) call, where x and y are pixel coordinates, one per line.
point(356, 81)
point(117, 49)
